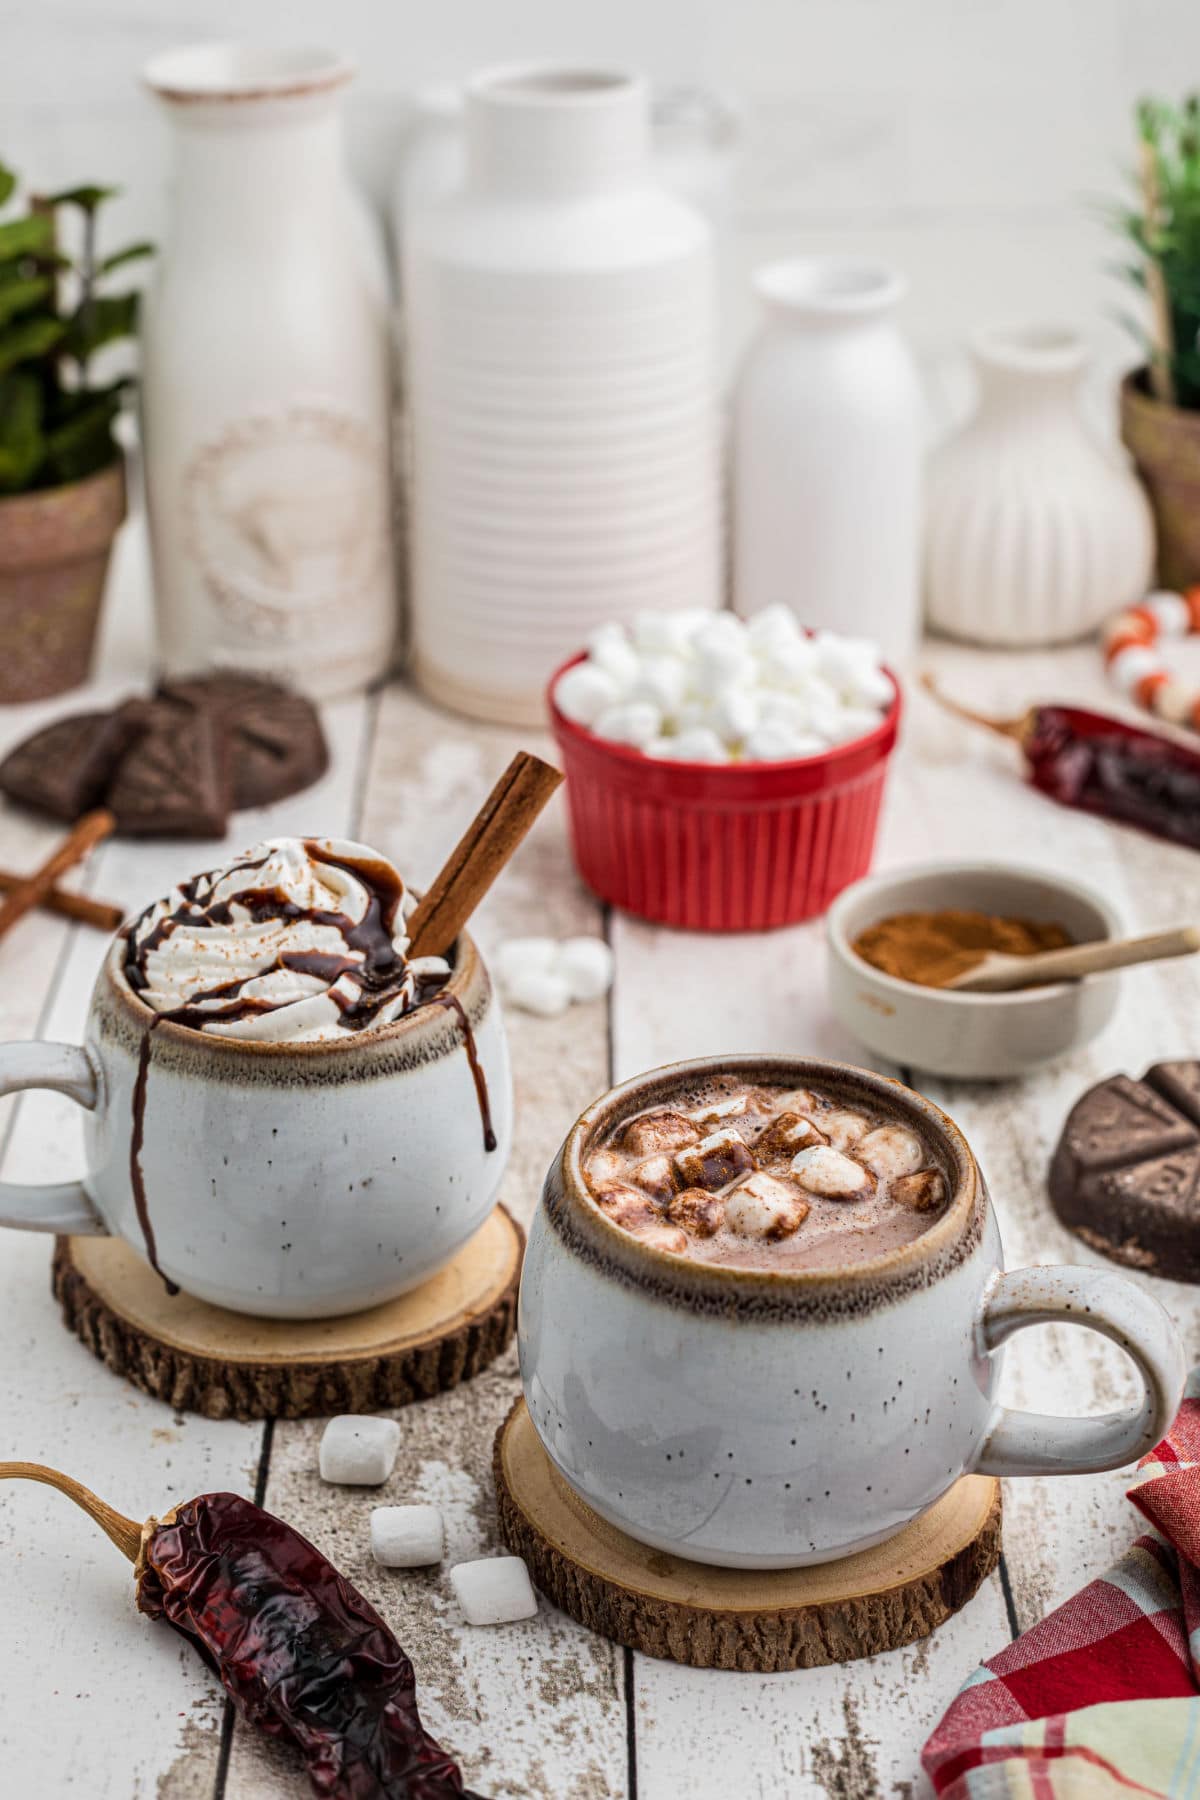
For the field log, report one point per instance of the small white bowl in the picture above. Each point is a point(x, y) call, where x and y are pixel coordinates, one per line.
point(969, 1037)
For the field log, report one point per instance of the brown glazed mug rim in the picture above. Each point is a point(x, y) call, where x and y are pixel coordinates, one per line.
point(467, 974)
point(573, 1213)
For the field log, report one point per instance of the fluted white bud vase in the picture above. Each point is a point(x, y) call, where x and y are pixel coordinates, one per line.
point(563, 415)
point(828, 429)
point(1035, 532)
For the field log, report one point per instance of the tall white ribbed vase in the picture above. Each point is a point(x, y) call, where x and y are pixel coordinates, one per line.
point(827, 455)
point(265, 384)
point(560, 316)
point(1035, 533)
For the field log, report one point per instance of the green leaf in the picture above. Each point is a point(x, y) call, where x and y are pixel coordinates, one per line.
point(132, 253)
point(88, 198)
point(84, 442)
point(28, 339)
point(101, 320)
point(8, 183)
point(22, 446)
point(21, 237)
point(18, 296)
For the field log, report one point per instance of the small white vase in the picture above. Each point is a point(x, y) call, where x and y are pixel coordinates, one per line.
point(265, 386)
point(827, 455)
point(562, 405)
point(1035, 534)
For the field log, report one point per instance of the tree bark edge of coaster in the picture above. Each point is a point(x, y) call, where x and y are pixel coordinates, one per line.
point(222, 1365)
point(759, 1621)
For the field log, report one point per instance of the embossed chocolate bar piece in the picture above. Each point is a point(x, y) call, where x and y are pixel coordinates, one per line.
point(1125, 1176)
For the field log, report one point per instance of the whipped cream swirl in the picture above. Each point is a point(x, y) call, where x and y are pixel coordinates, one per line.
point(297, 940)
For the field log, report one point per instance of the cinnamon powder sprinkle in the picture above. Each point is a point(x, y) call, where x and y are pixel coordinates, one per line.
point(933, 948)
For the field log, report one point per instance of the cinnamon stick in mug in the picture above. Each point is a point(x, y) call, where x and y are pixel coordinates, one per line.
point(83, 836)
point(500, 825)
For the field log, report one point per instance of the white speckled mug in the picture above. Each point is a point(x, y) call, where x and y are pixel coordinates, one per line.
point(289, 1181)
point(756, 1418)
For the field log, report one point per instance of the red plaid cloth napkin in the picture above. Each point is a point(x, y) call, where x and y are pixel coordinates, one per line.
point(1102, 1698)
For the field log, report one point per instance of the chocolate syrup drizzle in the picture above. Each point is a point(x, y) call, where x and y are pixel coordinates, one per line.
point(370, 956)
point(137, 1180)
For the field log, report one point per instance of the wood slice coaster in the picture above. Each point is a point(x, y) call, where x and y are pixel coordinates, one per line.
point(762, 1620)
point(202, 1359)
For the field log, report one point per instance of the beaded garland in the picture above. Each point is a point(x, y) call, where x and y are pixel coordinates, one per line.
point(1135, 665)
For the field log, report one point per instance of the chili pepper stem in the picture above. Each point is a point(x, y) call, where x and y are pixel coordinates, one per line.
point(1010, 728)
point(125, 1533)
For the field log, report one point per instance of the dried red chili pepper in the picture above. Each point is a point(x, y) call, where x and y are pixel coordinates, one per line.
point(1102, 765)
point(302, 1655)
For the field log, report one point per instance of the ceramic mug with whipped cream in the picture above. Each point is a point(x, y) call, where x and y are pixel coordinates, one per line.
point(286, 1114)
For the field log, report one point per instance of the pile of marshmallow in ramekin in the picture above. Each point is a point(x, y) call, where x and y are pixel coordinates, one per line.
point(712, 688)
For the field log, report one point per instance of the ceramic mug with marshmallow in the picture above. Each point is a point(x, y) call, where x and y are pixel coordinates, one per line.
point(766, 1418)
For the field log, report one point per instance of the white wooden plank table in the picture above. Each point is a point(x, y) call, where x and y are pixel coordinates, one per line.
point(99, 1702)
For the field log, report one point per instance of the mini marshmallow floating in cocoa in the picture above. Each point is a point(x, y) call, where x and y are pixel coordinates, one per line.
point(302, 1655)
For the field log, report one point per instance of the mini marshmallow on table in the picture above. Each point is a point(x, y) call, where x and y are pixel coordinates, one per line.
point(358, 1450)
point(407, 1537)
point(545, 975)
point(713, 688)
point(496, 1590)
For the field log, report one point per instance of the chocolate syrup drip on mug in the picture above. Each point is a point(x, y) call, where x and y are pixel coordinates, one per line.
point(453, 1002)
point(136, 1179)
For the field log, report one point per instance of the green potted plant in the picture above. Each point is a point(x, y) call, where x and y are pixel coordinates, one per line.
point(62, 478)
point(1160, 402)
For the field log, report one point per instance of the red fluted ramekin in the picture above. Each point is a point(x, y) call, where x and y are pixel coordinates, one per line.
point(722, 846)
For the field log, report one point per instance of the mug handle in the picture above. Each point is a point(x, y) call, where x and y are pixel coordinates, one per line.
point(50, 1206)
point(1028, 1443)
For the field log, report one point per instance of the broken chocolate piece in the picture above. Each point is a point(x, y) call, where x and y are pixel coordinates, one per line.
point(176, 765)
point(1179, 1085)
point(175, 783)
point(65, 768)
point(278, 746)
point(1125, 1175)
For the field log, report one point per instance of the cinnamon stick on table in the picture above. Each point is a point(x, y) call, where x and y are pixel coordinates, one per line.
point(483, 850)
point(83, 836)
point(100, 913)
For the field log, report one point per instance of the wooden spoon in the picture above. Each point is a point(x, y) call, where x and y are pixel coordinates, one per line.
point(1000, 973)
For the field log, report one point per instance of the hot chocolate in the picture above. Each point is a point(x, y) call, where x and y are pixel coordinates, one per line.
point(767, 1177)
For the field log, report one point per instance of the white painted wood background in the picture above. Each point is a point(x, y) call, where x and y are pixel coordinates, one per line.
point(971, 142)
point(97, 1700)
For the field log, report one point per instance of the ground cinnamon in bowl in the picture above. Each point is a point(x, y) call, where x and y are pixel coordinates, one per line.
point(933, 948)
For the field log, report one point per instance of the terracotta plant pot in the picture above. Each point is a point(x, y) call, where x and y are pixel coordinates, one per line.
point(1164, 441)
point(54, 550)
